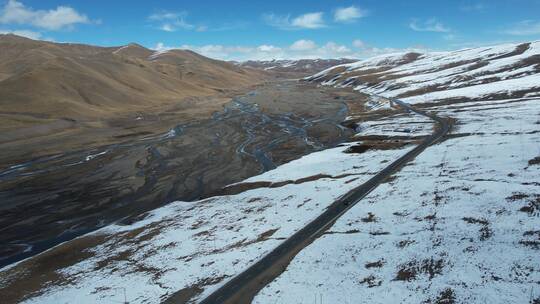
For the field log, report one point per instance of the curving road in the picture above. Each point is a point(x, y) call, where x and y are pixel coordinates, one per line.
point(243, 287)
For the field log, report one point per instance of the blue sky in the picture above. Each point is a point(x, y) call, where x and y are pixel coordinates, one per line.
point(240, 30)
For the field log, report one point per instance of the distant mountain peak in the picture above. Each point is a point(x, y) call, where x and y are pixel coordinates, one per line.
point(133, 50)
point(298, 67)
point(136, 45)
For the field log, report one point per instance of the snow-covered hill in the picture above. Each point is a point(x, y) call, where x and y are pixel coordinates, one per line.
point(302, 66)
point(503, 71)
point(460, 224)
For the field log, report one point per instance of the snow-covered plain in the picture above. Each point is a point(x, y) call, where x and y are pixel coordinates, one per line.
point(461, 223)
point(398, 124)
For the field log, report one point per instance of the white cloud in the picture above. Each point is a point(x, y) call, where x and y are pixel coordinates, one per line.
point(160, 47)
point(349, 14)
point(301, 49)
point(15, 12)
point(61, 17)
point(167, 28)
point(303, 45)
point(201, 28)
point(358, 44)
point(23, 33)
point(305, 21)
point(524, 28)
point(366, 51)
point(475, 44)
point(309, 21)
point(268, 48)
point(449, 37)
point(474, 7)
point(164, 15)
point(274, 20)
point(335, 50)
point(430, 25)
point(173, 21)
point(225, 52)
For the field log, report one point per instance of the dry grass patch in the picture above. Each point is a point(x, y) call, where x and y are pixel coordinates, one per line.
point(411, 270)
point(534, 161)
point(371, 281)
point(32, 277)
point(377, 264)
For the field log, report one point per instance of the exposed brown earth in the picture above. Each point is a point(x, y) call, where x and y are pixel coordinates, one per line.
point(245, 186)
point(38, 273)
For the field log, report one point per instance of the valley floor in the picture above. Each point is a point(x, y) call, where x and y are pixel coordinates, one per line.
point(457, 225)
point(54, 198)
point(460, 224)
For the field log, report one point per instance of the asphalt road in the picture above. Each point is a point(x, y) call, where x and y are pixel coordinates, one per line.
point(245, 285)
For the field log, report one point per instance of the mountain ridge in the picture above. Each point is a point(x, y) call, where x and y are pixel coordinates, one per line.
point(442, 75)
point(299, 67)
point(83, 81)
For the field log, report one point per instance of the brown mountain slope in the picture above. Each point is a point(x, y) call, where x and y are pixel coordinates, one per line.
point(83, 82)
